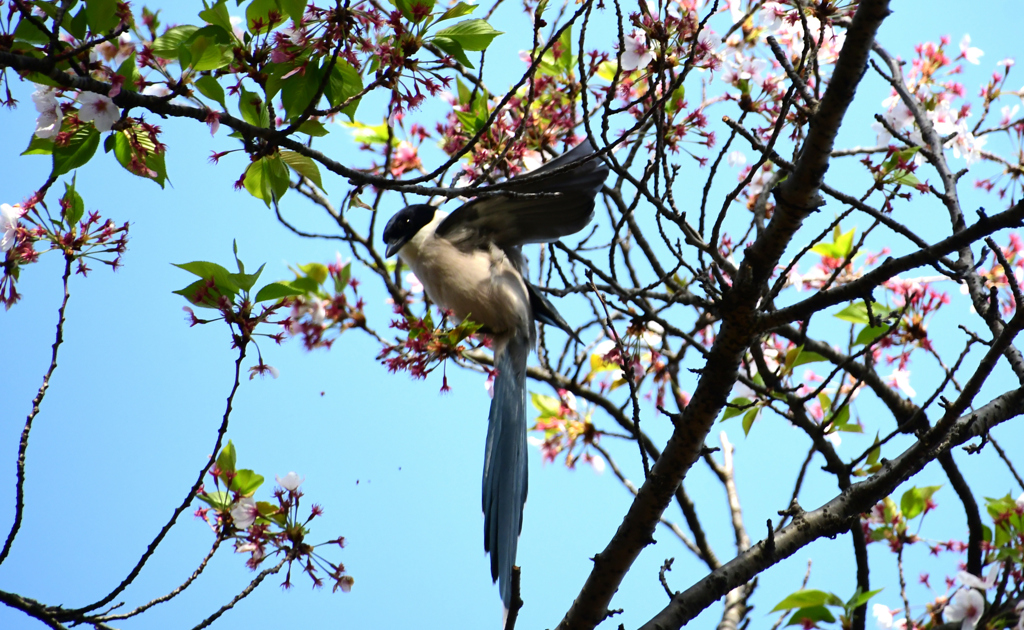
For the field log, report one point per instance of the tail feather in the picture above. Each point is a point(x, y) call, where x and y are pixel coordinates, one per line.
point(505, 463)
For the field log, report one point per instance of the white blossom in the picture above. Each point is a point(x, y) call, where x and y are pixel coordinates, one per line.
point(737, 158)
point(967, 605)
point(99, 109)
point(9, 216)
point(883, 616)
point(636, 54)
point(50, 114)
point(901, 380)
point(290, 482)
point(973, 581)
point(971, 54)
point(244, 513)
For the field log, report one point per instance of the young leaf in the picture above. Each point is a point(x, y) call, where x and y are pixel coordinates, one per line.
point(807, 598)
point(457, 11)
point(303, 166)
point(276, 291)
point(74, 207)
point(470, 34)
point(78, 151)
point(166, 46)
point(212, 90)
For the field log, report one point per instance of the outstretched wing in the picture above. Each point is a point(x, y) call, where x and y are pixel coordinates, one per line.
point(509, 221)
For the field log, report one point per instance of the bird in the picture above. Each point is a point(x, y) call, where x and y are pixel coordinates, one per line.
point(470, 263)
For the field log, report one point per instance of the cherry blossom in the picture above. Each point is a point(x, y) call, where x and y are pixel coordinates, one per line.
point(50, 114)
point(737, 158)
point(968, 52)
point(967, 605)
point(636, 55)
point(883, 616)
point(901, 380)
point(290, 482)
point(973, 581)
point(244, 513)
point(9, 216)
point(99, 109)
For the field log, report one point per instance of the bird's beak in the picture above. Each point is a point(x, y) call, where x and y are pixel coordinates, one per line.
point(394, 246)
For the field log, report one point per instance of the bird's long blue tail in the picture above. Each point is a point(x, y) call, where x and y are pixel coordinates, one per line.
point(505, 469)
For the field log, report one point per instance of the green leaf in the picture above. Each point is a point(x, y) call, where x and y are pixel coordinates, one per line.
point(736, 407)
point(78, 151)
point(317, 272)
point(134, 146)
point(245, 281)
point(606, 70)
point(166, 46)
point(453, 49)
point(870, 334)
point(298, 90)
point(313, 128)
point(303, 166)
point(344, 83)
point(206, 270)
point(246, 482)
point(294, 9)
point(226, 458)
point(457, 11)
point(914, 501)
point(859, 598)
point(78, 25)
point(403, 8)
point(857, 312)
point(425, 7)
point(219, 500)
point(211, 89)
point(218, 15)
point(101, 15)
point(797, 356)
point(470, 34)
point(875, 453)
point(130, 72)
point(342, 278)
point(71, 202)
point(749, 418)
point(39, 146)
point(549, 406)
point(806, 599)
point(276, 291)
point(267, 178)
point(257, 16)
point(367, 134)
point(811, 613)
point(252, 108)
point(207, 49)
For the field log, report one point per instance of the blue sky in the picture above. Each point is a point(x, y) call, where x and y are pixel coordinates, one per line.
point(133, 407)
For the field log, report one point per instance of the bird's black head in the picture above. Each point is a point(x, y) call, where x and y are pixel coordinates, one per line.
point(404, 225)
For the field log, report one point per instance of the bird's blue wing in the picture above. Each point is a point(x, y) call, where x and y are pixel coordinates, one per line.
point(512, 221)
point(505, 464)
